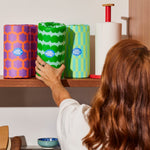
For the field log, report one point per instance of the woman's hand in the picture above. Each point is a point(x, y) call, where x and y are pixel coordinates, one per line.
point(49, 75)
point(52, 78)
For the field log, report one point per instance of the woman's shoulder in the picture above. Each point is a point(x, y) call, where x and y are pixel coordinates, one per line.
point(72, 105)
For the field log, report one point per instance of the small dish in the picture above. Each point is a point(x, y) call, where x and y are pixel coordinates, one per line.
point(48, 142)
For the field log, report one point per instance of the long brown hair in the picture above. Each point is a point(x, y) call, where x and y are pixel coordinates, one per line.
point(120, 115)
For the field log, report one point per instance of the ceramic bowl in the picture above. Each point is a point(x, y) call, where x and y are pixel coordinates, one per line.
point(48, 142)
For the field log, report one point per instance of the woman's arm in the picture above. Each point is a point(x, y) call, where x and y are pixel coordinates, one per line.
point(52, 78)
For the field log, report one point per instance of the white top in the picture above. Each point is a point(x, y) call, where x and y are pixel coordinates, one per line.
point(72, 124)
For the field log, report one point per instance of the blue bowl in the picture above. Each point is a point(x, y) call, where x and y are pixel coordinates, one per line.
point(48, 142)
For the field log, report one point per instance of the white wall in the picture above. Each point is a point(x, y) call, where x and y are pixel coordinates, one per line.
point(34, 11)
point(33, 123)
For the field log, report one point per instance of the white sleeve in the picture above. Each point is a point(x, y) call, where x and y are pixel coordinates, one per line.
point(72, 121)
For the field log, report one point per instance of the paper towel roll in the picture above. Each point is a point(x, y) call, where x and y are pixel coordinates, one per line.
point(107, 35)
point(77, 57)
point(51, 42)
point(17, 51)
point(33, 30)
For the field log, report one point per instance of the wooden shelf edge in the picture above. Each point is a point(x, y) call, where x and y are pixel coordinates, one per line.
point(38, 148)
point(33, 82)
point(86, 82)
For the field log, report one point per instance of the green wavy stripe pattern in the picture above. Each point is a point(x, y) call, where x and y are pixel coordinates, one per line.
point(52, 39)
point(58, 58)
point(44, 47)
point(51, 36)
point(52, 26)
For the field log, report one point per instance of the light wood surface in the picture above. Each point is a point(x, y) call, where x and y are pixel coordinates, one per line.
point(4, 137)
point(108, 5)
point(139, 26)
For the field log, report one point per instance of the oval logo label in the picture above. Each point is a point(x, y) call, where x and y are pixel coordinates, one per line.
point(77, 51)
point(49, 53)
point(17, 51)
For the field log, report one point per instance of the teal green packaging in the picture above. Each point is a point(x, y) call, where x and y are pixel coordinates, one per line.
point(51, 43)
point(77, 55)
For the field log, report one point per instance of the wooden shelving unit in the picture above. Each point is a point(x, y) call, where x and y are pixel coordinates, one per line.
point(139, 24)
point(33, 82)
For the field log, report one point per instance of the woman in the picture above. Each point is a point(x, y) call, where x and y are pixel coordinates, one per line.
point(119, 117)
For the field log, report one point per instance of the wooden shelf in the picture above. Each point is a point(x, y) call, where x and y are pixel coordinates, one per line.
point(33, 82)
point(38, 148)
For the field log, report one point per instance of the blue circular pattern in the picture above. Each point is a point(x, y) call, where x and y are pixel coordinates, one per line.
point(17, 51)
point(76, 51)
point(49, 53)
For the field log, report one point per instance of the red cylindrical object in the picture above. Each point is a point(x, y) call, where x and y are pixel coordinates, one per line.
point(93, 76)
point(108, 14)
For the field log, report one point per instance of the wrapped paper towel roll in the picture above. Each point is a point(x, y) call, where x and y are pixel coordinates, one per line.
point(107, 35)
point(17, 51)
point(77, 57)
point(33, 30)
point(51, 42)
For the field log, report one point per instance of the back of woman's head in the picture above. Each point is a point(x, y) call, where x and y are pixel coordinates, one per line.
point(120, 114)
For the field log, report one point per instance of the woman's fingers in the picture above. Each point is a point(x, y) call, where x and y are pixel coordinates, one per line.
point(39, 66)
point(46, 71)
point(39, 71)
point(40, 61)
point(38, 77)
point(47, 66)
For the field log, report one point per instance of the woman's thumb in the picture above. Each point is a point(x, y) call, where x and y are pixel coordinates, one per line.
point(61, 69)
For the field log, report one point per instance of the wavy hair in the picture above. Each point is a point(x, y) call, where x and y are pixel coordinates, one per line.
point(120, 115)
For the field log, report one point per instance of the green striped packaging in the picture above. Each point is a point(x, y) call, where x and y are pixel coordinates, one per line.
point(51, 43)
point(77, 56)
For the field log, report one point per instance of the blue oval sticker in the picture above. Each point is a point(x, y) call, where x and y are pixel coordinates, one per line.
point(49, 53)
point(77, 51)
point(17, 51)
